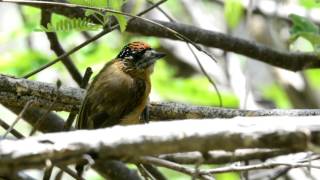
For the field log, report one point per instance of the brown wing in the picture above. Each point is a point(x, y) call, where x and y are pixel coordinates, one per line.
point(112, 95)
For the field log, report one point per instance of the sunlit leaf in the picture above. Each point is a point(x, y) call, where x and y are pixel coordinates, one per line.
point(303, 27)
point(310, 3)
point(302, 24)
point(233, 12)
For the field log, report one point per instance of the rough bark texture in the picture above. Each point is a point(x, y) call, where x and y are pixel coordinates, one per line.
point(16, 92)
point(130, 142)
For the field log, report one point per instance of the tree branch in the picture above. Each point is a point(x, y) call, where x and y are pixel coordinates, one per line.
point(16, 92)
point(58, 49)
point(223, 157)
point(130, 142)
point(287, 60)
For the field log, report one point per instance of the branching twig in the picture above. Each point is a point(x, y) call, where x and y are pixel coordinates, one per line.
point(144, 172)
point(177, 167)
point(14, 132)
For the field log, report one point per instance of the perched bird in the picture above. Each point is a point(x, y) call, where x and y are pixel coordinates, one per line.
point(120, 91)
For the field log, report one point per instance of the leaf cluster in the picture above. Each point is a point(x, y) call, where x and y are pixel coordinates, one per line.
point(79, 24)
point(85, 24)
point(303, 27)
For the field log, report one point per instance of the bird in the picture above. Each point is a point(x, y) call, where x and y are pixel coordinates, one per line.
point(119, 93)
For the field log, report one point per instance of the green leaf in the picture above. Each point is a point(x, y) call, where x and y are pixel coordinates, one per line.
point(309, 3)
point(233, 12)
point(19, 63)
point(303, 27)
point(117, 5)
point(112, 4)
point(277, 94)
point(302, 24)
point(195, 90)
point(122, 22)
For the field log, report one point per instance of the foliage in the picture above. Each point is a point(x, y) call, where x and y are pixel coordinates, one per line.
point(79, 24)
point(195, 90)
point(303, 27)
point(18, 63)
point(310, 3)
point(233, 12)
point(276, 94)
point(85, 24)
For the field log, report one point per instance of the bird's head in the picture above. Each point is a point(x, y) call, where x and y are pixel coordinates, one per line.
point(139, 56)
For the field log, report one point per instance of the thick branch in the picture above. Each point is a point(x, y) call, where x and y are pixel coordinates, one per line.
point(287, 60)
point(17, 92)
point(130, 142)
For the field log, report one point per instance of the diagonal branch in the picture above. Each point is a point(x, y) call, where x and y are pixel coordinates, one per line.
point(58, 49)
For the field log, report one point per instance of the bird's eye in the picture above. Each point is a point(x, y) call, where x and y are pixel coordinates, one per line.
point(139, 54)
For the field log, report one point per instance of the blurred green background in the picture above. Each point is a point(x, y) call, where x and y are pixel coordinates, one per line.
point(23, 49)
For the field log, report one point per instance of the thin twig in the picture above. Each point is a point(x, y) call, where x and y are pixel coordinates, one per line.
point(174, 166)
point(14, 132)
point(74, 110)
point(70, 172)
point(47, 173)
point(207, 75)
point(59, 175)
point(267, 165)
point(154, 171)
point(86, 78)
point(94, 38)
point(144, 173)
point(196, 57)
point(26, 106)
point(38, 123)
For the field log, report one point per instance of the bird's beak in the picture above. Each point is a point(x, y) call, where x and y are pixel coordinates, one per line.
point(150, 57)
point(157, 55)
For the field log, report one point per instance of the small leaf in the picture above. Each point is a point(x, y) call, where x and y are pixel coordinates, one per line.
point(233, 12)
point(302, 24)
point(117, 5)
point(122, 22)
point(303, 27)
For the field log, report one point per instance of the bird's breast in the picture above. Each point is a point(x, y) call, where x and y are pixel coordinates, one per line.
point(134, 116)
